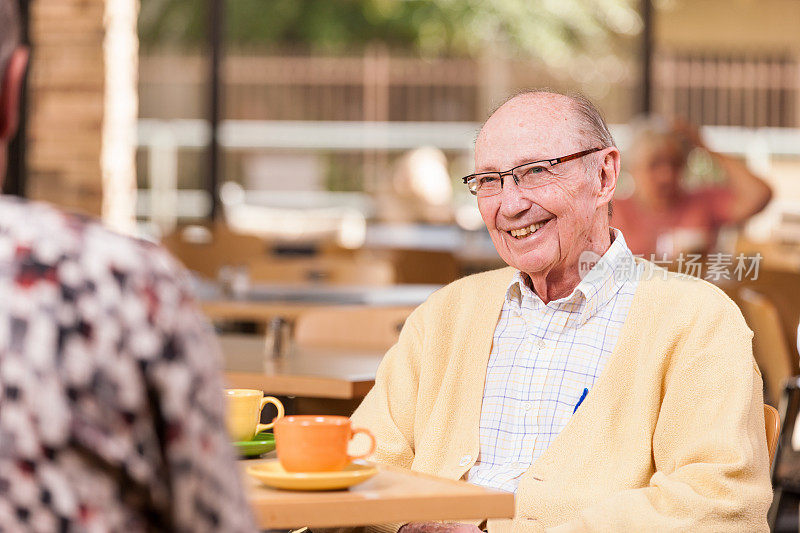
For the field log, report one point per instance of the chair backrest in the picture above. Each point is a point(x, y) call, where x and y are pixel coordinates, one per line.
point(359, 327)
point(782, 289)
point(206, 249)
point(425, 266)
point(769, 343)
point(773, 425)
point(332, 270)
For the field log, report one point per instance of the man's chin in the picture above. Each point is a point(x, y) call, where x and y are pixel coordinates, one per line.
point(531, 255)
point(533, 266)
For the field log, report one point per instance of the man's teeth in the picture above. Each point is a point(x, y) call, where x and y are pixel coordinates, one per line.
point(525, 231)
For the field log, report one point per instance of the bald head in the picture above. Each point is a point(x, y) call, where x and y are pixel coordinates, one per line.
point(586, 123)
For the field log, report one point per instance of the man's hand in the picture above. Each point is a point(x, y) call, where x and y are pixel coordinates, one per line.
point(437, 527)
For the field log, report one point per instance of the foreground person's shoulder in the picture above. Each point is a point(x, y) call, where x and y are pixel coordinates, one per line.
point(52, 235)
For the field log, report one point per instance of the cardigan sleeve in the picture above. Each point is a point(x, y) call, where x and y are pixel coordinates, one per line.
point(389, 409)
point(709, 443)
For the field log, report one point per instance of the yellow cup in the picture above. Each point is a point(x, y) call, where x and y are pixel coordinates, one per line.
point(244, 412)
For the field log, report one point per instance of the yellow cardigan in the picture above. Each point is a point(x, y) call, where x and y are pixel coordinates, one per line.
point(671, 436)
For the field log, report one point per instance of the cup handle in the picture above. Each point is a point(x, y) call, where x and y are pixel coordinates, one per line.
point(278, 405)
point(371, 447)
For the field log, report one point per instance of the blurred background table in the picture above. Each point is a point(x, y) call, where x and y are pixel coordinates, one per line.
point(392, 495)
point(264, 301)
point(336, 373)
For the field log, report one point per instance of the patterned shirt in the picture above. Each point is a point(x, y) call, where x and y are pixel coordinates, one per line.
point(111, 408)
point(543, 360)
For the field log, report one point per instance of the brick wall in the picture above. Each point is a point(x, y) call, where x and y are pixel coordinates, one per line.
point(68, 83)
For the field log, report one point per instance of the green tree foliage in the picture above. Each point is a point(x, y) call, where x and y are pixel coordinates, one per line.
point(549, 29)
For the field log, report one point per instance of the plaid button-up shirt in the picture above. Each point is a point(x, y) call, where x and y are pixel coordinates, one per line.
point(543, 359)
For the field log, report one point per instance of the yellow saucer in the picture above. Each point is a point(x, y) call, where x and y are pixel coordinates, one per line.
point(272, 473)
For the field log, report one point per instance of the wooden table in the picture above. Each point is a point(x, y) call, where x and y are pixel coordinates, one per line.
point(310, 373)
point(393, 495)
point(251, 311)
point(264, 301)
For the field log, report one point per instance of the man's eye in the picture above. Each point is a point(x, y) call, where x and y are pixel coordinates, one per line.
point(535, 170)
point(488, 179)
point(531, 172)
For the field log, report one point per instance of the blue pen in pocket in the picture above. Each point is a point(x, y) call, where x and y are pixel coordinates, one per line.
point(583, 396)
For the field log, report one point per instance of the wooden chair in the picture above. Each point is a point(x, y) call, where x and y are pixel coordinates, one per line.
point(774, 358)
point(772, 421)
point(332, 270)
point(205, 249)
point(782, 288)
point(358, 327)
point(425, 266)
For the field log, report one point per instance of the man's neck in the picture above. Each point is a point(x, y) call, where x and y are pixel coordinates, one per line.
point(561, 281)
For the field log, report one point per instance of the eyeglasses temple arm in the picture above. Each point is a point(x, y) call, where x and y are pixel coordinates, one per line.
point(573, 156)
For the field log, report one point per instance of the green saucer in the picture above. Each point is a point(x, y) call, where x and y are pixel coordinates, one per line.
point(261, 444)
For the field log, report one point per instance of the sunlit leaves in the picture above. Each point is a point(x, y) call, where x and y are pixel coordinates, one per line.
point(551, 30)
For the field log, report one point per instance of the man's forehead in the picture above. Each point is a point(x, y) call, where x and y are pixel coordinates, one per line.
point(524, 130)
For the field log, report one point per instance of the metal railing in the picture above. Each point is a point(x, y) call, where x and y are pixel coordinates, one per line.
point(706, 87)
point(751, 90)
point(163, 202)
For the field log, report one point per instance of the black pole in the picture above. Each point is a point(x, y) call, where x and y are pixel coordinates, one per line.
point(16, 172)
point(215, 30)
point(647, 56)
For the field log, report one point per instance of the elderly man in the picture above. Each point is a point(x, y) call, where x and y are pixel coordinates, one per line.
point(609, 397)
point(111, 409)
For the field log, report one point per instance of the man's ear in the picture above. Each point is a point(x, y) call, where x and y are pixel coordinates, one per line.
point(10, 93)
point(609, 172)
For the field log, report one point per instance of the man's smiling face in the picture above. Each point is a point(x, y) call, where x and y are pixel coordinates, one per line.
point(561, 209)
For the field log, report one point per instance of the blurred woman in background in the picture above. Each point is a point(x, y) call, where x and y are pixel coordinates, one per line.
point(664, 217)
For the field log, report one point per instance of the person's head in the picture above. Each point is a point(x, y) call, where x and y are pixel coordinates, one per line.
point(13, 60)
point(656, 159)
point(572, 198)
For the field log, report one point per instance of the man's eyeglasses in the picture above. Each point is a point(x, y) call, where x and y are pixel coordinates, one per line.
point(525, 175)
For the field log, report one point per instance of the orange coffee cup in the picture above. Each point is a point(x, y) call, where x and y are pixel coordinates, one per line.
point(316, 443)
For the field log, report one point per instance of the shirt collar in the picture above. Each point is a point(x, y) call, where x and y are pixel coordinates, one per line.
point(596, 289)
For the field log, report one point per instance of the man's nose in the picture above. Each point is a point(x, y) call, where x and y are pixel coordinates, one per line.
point(512, 201)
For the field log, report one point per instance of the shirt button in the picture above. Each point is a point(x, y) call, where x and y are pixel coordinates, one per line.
point(465, 460)
point(527, 406)
point(541, 344)
point(516, 465)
